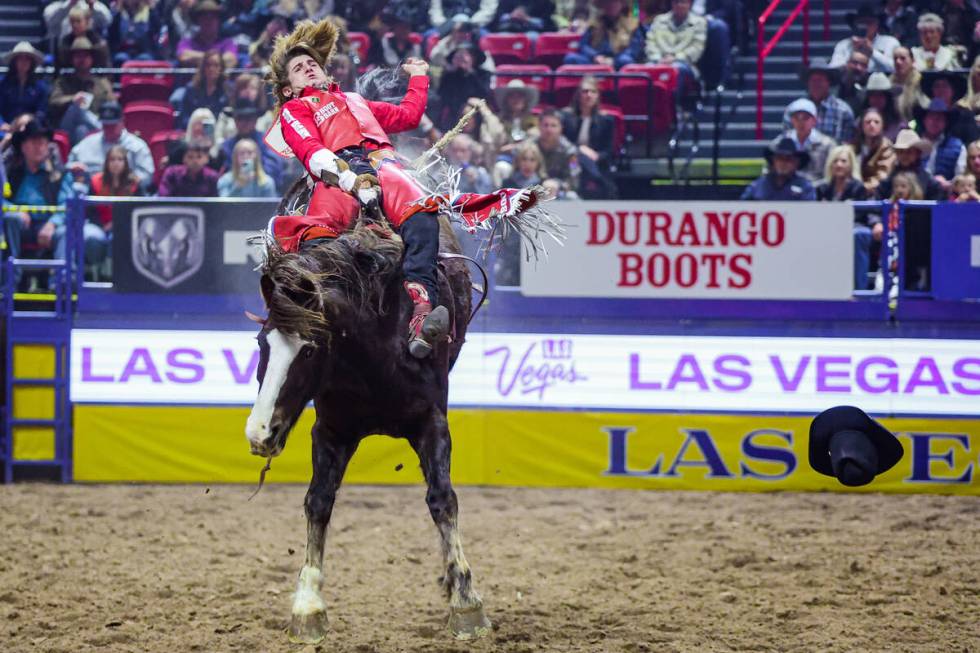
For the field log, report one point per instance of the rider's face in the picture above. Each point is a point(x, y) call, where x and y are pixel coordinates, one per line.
point(303, 71)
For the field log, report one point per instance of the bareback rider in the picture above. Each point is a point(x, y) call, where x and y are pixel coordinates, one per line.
point(342, 141)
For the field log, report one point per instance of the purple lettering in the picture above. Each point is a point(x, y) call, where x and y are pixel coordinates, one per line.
point(531, 377)
point(140, 364)
point(681, 375)
point(196, 370)
point(789, 384)
point(744, 378)
point(87, 375)
point(961, 370)
point(825, 374)
point(926, 374)
point(635, 382)
point(241, 376)
point(890, 377)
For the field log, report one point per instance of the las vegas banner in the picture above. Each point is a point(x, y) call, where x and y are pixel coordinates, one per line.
point(698, 250)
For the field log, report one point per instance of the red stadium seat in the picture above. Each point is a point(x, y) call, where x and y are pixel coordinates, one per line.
point(160, 141)
point(645, 105)
point(146, 119)
point(63, 142)
point(565, 86)
point(619, 128)
point(146, 86)
point(551, 47)
point(429, 44)
point(507, 48)
point(532, 75)
point(361, 43)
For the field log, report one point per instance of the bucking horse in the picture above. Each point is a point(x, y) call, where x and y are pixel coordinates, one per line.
point(335, 335)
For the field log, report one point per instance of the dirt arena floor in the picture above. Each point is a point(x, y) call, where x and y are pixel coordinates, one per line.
point(154, 569)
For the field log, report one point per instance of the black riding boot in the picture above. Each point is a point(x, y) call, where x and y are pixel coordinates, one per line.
point(428, 325)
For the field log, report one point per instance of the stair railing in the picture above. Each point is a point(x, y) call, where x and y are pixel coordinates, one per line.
point(764, 49)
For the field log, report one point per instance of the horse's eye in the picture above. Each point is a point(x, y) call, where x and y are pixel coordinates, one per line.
point(309, 352)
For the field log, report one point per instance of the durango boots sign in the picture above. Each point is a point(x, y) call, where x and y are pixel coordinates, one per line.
point(710, 250)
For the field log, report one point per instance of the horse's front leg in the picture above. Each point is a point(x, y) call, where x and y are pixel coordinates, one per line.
point(433, 446)
point(330, 458)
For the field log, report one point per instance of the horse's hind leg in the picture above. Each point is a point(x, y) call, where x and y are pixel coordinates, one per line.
point(309, 619)
point(466, 617)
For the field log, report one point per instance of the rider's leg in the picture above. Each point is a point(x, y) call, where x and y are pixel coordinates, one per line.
point(428, 326)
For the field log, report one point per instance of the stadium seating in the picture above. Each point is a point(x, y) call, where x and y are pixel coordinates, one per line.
point(63, 142)
point(551, 47)
point(146, 87)
point(360, 42)
point(160, 141)
point(642, 104)
point(565, 86)
point(507, 48)
point(147, 118)
point(619, 125)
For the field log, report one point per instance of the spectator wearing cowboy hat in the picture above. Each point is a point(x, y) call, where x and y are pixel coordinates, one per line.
point(22, 90)
point(948, 156)
point(950, 86)
point(931, 54)
point(35, 182)
point(807, 138)
point(878, 94)
point(76, 99)
point(80, 21)
point(246, 114)
point(90, 153)
point(899, 20)
point(867, 40)
point(515, 101)
point(397, 45)
point(462, 80)
point(834, 117)
point(782, 182)
point(206, 15)
point(911, 152)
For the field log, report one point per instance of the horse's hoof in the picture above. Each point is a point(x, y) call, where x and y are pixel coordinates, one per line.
point(469, 623)
point(308, 628)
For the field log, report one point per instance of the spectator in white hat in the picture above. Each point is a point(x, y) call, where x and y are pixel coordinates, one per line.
point(931, 54)
point(807, 138)
point(22, 90)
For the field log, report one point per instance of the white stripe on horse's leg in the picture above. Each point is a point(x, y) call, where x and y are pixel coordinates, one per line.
point(459, 576)
point(307, 599)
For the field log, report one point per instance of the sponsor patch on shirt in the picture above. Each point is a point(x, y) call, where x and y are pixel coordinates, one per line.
point(325, 112)
point(295, 124)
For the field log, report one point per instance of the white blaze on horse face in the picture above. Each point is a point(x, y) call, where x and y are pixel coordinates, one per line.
point(283, 349)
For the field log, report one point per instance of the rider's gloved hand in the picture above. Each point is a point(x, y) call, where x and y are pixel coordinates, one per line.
point(328, 167)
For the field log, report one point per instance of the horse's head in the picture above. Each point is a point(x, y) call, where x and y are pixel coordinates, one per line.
point(312, 297)
point(292, 345)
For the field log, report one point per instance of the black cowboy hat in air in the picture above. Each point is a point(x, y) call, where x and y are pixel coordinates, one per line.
point(786, 146)
point(847, 444)
point(956, 79)
point(33, 129)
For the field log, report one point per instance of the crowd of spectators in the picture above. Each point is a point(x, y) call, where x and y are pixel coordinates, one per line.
point(893, 115)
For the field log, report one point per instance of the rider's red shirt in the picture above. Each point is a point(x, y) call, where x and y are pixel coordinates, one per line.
point(334, 120)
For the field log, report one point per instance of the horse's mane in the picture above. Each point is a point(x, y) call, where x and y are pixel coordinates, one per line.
point(346, 276)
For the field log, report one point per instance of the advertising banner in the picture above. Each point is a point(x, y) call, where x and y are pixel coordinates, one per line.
point(526, 448)
point(190, 247)
point(955, 251)
point(698, 250)
point(594, 372)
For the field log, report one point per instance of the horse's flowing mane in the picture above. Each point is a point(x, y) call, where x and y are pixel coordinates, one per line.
point(346, 275)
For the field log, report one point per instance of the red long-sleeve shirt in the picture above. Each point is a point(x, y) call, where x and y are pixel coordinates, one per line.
point(334, 120)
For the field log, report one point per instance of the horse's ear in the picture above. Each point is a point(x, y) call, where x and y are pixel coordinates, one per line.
point(267, 286)
point(255, 318)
